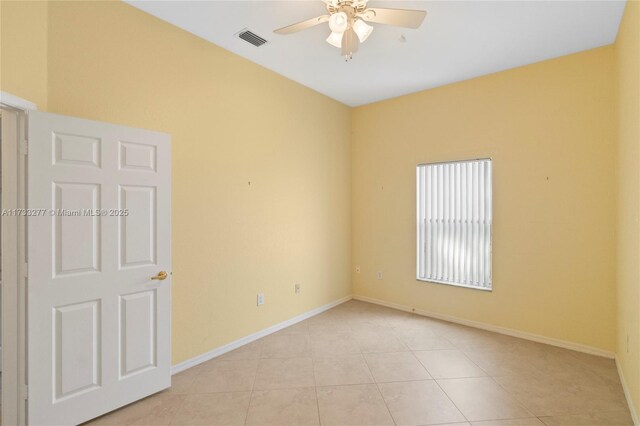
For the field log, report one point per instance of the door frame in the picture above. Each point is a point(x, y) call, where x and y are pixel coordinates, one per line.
point(14, 395)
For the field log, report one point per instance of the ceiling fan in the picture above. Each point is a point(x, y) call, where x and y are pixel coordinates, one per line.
point(348, 22)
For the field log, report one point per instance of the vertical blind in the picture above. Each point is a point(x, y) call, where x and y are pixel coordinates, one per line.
point(454, 223)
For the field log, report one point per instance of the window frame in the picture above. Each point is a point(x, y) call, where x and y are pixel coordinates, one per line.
point(417, 230)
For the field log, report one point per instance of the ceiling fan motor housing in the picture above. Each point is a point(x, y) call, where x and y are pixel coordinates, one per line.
point(351, 8)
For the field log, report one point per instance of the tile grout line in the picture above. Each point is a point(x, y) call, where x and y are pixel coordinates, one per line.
point(315, 388)
point(315, 380)
point(424, 367)
point(253, 384)
point(378, 386)
point(452, 401)
point(182, 399)
point(182, 402)
point(522, 404)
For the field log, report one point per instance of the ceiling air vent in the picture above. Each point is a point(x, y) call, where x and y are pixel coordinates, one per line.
point(252, 38)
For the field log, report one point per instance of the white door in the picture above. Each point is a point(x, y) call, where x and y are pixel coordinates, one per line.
point(98, 323)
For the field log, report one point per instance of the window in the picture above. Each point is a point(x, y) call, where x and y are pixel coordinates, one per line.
point(454, 223)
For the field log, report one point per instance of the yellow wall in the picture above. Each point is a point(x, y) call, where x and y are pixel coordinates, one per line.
point(550, 130)
point(23, 47)
point(232, 123)
point(627, 55)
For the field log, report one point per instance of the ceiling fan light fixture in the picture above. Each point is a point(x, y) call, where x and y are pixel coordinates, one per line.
point(362, 29)
point(339, 22)
point(349, 22)
point(335, 39)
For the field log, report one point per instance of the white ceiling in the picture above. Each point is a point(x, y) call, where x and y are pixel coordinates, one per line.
point(457, 41)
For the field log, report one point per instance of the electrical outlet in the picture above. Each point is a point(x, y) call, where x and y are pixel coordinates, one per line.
point(297, 288)
point(379, 275)
point(260, 299)
point(357, 269)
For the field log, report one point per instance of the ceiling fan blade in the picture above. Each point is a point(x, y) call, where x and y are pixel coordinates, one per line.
point(302, 25)
point(398, 17)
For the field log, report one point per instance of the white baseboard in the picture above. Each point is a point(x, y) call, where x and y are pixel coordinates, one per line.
point(627, 394)
point(489, 327)
point(255, 336)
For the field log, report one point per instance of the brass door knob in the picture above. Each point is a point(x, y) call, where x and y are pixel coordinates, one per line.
point(162, 275)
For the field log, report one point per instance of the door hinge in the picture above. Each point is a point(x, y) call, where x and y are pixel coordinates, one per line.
point(25, 270)
point(24, 147)
point(25, 392)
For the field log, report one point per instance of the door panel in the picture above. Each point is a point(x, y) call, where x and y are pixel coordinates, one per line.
point(138, 229)
point(77, 348)
point(75, 150)
point(98, 325)
point(77, 238)
point(137, 332)
point(135, 156)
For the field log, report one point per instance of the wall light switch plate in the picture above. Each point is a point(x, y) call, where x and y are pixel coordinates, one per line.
point(357, 269)
point(379, 275)
point(297, 288)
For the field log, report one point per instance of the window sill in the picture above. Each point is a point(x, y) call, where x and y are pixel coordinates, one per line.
point(454, 284)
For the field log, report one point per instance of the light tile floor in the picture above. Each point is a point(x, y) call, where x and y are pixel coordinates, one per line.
point(362, 364)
